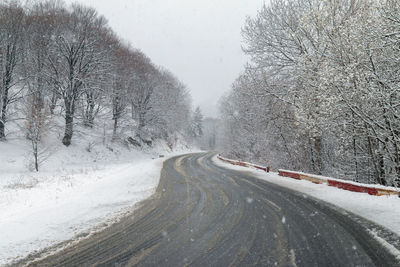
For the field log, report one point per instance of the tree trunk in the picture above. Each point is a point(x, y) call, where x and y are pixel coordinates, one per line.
point(381, 179)
point(6, 88)
point(315, 144)
point(116, 115)
point(355, 147)
point(3, 114)
point(355, 158)
point(132, 110)
point(371, 152)
point(89, 110)
point(318, 154)
point(53, 102)
point(142, 115)
point(89, 116)
point(35, 154)
point(2, 133)
point(69, 119)
point(311, 154)
point(115, 127)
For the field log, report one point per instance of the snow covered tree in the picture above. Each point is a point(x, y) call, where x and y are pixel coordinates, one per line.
point(37, 124)
point(40, 28)
point(170, 106)
point(144, 80)
point(330, 66)
point(208, 141)
point(12, 17)
point(64, 62)
point(196, 124)
point(75, 59)
point(119, 82)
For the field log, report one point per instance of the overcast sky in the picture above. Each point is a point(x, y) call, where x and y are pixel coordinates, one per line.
point(198, 40)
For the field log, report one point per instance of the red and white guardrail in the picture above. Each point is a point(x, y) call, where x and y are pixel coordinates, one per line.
point(243, 164)
point(376, 190)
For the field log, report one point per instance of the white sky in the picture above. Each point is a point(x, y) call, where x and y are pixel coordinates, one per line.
point(197, 40)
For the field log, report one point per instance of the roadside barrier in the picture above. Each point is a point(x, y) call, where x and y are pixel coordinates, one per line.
point(243, 164)
point(375, 190)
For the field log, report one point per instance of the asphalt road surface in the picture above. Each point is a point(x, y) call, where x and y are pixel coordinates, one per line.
point(205, 215)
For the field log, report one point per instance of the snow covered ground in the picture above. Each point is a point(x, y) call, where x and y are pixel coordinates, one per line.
point(383, 210)
point(76, 191)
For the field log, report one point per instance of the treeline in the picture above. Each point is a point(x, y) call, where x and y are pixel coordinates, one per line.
point(65, 61)
point(322, 91)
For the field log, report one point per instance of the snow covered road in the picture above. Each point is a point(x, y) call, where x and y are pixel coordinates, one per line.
point(203, 214)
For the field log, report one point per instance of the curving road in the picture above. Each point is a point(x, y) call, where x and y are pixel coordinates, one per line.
point(205, 215)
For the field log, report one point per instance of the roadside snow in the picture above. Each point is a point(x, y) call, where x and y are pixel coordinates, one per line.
point(78, 193)
point(383, 210)
point(386, 245)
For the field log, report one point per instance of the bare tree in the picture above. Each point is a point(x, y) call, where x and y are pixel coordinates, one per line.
point(37, 124)
point(12, 18)
point(119, 82)
point(75, 59)
point(59, 60)
point(143, 82)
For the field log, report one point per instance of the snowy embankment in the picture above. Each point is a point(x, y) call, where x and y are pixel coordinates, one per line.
point(79, 193)
point(383, 210)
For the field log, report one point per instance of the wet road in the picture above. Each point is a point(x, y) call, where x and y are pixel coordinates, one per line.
point(205, 215)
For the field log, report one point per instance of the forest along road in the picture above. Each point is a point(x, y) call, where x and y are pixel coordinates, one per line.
point(206, 215)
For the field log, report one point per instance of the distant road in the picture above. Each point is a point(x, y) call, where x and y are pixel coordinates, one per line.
point(205, 215)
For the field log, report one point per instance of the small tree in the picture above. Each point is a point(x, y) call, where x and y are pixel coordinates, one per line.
point(37, 122)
